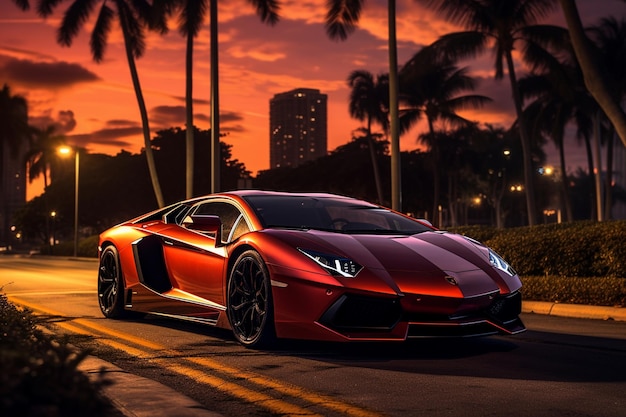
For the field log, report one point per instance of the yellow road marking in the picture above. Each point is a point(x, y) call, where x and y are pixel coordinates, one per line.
point(229, 387)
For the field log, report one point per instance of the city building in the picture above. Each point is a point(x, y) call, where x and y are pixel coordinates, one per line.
point(298, 127)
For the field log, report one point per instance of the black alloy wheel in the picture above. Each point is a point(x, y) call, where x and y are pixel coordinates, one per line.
point(250, 310)
point(110, 284)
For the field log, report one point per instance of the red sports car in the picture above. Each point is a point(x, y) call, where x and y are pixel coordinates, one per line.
point(305, 266)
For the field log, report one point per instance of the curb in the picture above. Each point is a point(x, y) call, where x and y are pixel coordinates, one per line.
point(136, 396)
point(574, 310)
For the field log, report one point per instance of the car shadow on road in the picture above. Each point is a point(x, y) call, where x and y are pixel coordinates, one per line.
point(531, 356)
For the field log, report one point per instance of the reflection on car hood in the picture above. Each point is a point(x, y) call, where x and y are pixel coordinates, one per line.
point(398, 259)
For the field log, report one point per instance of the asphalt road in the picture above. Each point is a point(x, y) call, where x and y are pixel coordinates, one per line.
point(559, 367)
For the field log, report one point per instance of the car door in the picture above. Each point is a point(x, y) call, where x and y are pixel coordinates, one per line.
point(196, 257)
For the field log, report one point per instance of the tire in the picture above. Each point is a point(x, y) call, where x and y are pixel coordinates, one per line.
point(249, 301)
point(111, 284)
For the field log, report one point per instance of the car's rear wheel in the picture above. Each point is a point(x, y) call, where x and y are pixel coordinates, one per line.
point(110, 284)
point(249, 308)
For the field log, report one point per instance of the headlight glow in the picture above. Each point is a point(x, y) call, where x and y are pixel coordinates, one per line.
point(497, 262)
point(335, 265)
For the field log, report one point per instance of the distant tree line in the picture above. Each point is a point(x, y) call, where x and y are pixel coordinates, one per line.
point(117, 188)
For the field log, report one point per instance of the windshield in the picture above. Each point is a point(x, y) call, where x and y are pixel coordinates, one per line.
point(331, 214)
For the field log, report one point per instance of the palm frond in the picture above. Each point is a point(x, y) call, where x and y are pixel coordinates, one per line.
point(342, 17)
point(192, 17)
point(46, 7)
point(22, 4)
point(132, 28)
point(98, 40)
point(73, 20)
point(460, 45)
point(268, 10)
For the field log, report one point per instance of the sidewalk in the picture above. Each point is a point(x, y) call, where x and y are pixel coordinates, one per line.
point(574, 310)
point(135, 396)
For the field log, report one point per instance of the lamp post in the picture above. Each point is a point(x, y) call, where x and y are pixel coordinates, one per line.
point(66, 150)
point(53, 216)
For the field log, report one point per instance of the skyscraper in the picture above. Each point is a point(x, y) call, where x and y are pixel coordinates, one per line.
point(298, 128)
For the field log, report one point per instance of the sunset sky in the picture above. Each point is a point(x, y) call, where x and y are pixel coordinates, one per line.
point(96, 106)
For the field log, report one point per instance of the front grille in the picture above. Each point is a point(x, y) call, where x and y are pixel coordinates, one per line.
point(507, 308)
point(469, 329)
point(354, 312)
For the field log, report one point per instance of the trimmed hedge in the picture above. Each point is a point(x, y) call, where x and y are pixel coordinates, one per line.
point(39, 375)
point(87, 248)
point(577, 263)
point(598, 291)
point(578, 249)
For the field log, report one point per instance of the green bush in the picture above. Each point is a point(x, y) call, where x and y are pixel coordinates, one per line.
point(87, 248)
point(578, 249)
point(600, 291)
point(39, 372)
point(577, 263)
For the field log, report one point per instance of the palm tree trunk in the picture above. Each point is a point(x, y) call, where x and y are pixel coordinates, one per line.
point(526, 145)
point(215, 105)
point(598, 168)
point(590, 165)
point(189, 140)
point(434, 147)
point(370, 143)
point(499, 195)
point(396, 169)
point(144, 120)
point(593, 78)
point(567, 204)
point(608, 183)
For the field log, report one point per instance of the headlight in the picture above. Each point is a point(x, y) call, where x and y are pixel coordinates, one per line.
point(335, 265)
point(497, 262)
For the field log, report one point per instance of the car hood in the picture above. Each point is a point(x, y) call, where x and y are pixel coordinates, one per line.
point(426, 263)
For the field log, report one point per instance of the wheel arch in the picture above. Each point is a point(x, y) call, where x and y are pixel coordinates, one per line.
point(232, 257)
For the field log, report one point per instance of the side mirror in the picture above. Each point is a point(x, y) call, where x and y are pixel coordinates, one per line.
point(206, 224)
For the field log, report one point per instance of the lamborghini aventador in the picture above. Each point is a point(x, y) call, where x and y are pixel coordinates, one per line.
point(274, 265)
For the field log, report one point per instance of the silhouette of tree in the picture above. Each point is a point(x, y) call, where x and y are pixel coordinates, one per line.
point(434, 88)
point(341, 19)
point(503, 26)
point(369, 101)
point(133, 17)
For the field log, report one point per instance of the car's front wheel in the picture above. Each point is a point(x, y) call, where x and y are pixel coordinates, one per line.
point(249, 308)
point(110, 284)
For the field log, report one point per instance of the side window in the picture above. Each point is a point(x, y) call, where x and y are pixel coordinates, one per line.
point(241, 228)
point(227, 213)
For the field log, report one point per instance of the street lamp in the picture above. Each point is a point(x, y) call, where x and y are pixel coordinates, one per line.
point(67, 150)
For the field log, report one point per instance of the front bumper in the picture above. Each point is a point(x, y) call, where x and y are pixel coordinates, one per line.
point(363, 317)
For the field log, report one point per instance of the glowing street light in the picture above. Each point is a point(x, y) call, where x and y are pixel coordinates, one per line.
point(66, 151)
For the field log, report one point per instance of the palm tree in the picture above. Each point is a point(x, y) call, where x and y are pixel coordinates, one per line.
point(559, 97)
point(432, 88)
point(503, 25)
point(192, 15)
point(132, 16)
point(13, 134)
point(43, 147)
point(609, 36)
point(341, 19)
point(369, 101)
point(13, 122)
point(594, 77)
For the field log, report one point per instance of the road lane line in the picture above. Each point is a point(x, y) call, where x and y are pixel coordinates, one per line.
point(259, 380)
point(291, 390)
